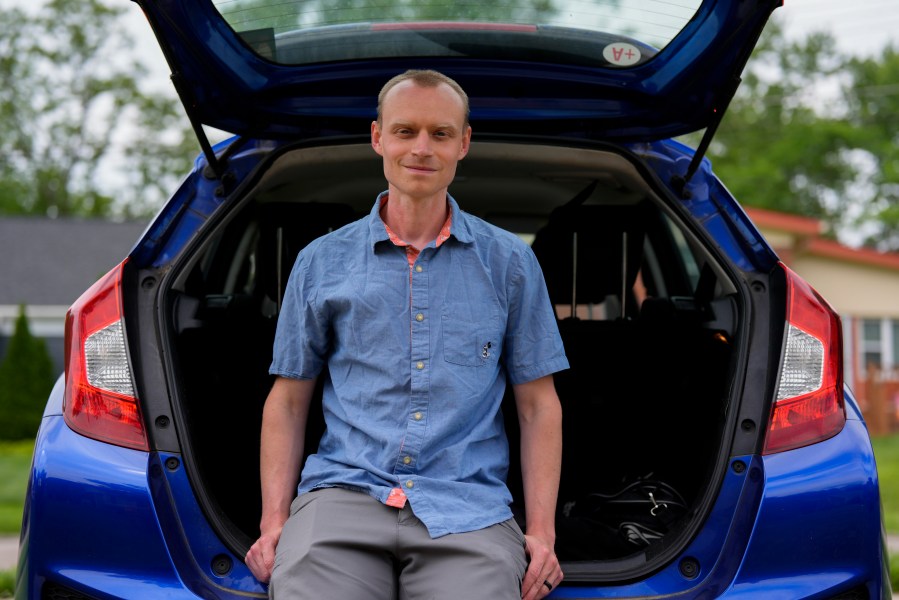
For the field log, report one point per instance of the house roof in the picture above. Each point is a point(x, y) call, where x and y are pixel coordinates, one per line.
point(796, 224)
point(53, 261)
point(807, 234)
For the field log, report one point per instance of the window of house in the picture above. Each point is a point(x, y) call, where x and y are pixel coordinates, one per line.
point(872, 343)
point(895, 343)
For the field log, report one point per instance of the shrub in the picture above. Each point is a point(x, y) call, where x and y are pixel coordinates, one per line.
point(26, 378)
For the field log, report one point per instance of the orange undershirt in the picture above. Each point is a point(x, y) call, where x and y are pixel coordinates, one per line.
point(411, 251)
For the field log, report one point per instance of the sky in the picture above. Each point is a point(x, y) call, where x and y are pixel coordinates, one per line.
point(861, 27)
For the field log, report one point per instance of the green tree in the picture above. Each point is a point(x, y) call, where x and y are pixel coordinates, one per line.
point(873, 97)
point(26, 378)
point(70, 97)
point(779, 146)
point(815, 132)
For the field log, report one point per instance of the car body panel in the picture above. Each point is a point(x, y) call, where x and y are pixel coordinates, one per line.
point(684, 88)
point(710, 204)
point(144, 535)
point(801, 545)
point(137, 530)
point(92, 499)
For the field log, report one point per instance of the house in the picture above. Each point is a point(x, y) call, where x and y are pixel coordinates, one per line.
point(46, 264)
point(863, 286)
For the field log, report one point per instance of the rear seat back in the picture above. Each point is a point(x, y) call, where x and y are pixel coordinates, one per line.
point(590, 255)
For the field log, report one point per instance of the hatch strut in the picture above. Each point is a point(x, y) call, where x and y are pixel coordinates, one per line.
point(679, 182)
point(217, 166)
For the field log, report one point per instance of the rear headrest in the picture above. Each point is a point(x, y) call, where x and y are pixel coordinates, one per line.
point(600, 255)
point(299, 223)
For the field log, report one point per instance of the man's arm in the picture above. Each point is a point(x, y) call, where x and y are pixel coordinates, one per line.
point(283, 434)
point(540, 420)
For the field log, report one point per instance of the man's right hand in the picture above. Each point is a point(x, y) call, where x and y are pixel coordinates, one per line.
point(261, 556)
point(283, 432)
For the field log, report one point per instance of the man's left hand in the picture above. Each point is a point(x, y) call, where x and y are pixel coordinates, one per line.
point(544, 572)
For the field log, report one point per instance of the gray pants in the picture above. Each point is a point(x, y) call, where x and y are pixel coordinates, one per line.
point(345, 545)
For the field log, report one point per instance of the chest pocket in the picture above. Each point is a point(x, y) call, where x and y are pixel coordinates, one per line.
point(471, 344)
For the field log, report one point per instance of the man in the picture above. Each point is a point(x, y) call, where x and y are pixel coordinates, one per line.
point(420, 313)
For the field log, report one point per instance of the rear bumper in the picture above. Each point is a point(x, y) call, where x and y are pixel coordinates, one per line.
point(801, 524)
point(101, 522)
point(819, 530)
point(108, 522)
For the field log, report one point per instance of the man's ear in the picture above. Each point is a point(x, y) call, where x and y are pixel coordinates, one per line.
point(376, 137)
point(466, 142)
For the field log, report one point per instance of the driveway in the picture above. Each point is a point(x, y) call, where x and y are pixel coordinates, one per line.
point(9, 552)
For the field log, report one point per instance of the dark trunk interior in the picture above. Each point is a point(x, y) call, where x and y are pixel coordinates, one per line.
point(649, 341)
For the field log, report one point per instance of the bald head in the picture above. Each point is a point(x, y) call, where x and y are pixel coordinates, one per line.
point(425, 78)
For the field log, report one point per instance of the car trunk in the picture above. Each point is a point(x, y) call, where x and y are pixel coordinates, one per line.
point(650, 335)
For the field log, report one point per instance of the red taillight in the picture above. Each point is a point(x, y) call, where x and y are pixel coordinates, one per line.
point(809, 405)
point(100, 401)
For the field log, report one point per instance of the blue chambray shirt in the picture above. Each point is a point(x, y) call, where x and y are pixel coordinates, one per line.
point(417, 367)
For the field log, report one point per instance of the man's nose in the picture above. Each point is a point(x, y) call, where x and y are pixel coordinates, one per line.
point(422, 146)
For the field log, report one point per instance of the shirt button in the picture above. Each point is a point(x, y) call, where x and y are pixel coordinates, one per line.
point(410, 484)
point(407, 460)
point(419, 365)
point(418, 416)
point(418, 269)
point(419, 317)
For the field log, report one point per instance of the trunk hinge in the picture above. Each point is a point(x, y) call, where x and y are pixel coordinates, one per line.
point(679, 182)
point(215, 165)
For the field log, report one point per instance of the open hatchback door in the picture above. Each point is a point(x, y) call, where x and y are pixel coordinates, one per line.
point(614, 70)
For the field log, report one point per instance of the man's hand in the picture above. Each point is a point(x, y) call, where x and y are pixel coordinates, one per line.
point(540, 418)
point(544, 572)
point(261, 556)
point(283, 432)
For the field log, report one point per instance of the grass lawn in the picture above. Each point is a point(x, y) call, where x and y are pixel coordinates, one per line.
point(15, 464)
point(886, 450)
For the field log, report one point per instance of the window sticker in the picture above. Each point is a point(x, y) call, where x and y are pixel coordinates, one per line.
point(621, 54)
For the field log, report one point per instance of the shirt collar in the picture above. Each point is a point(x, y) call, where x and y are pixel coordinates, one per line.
point(378, 230)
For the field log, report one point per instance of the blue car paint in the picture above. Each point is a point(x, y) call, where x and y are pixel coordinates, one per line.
point(803, 543)
point(682, 89)
point(712, 206)
point(191, 540)
point(117, 523)
point(92, 499)
point(141, 533)
point(192, 204)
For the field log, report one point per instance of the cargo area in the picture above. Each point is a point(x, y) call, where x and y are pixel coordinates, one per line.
point(647, 311)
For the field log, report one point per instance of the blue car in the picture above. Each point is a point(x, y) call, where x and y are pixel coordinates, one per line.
point(710, 446)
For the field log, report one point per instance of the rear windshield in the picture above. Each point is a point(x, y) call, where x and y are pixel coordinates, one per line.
point(616, 33)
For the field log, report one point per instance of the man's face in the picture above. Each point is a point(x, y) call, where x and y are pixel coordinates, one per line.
point(422, 136)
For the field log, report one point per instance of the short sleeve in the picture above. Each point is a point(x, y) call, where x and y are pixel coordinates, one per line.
point(302, 337)
point(533, 346)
